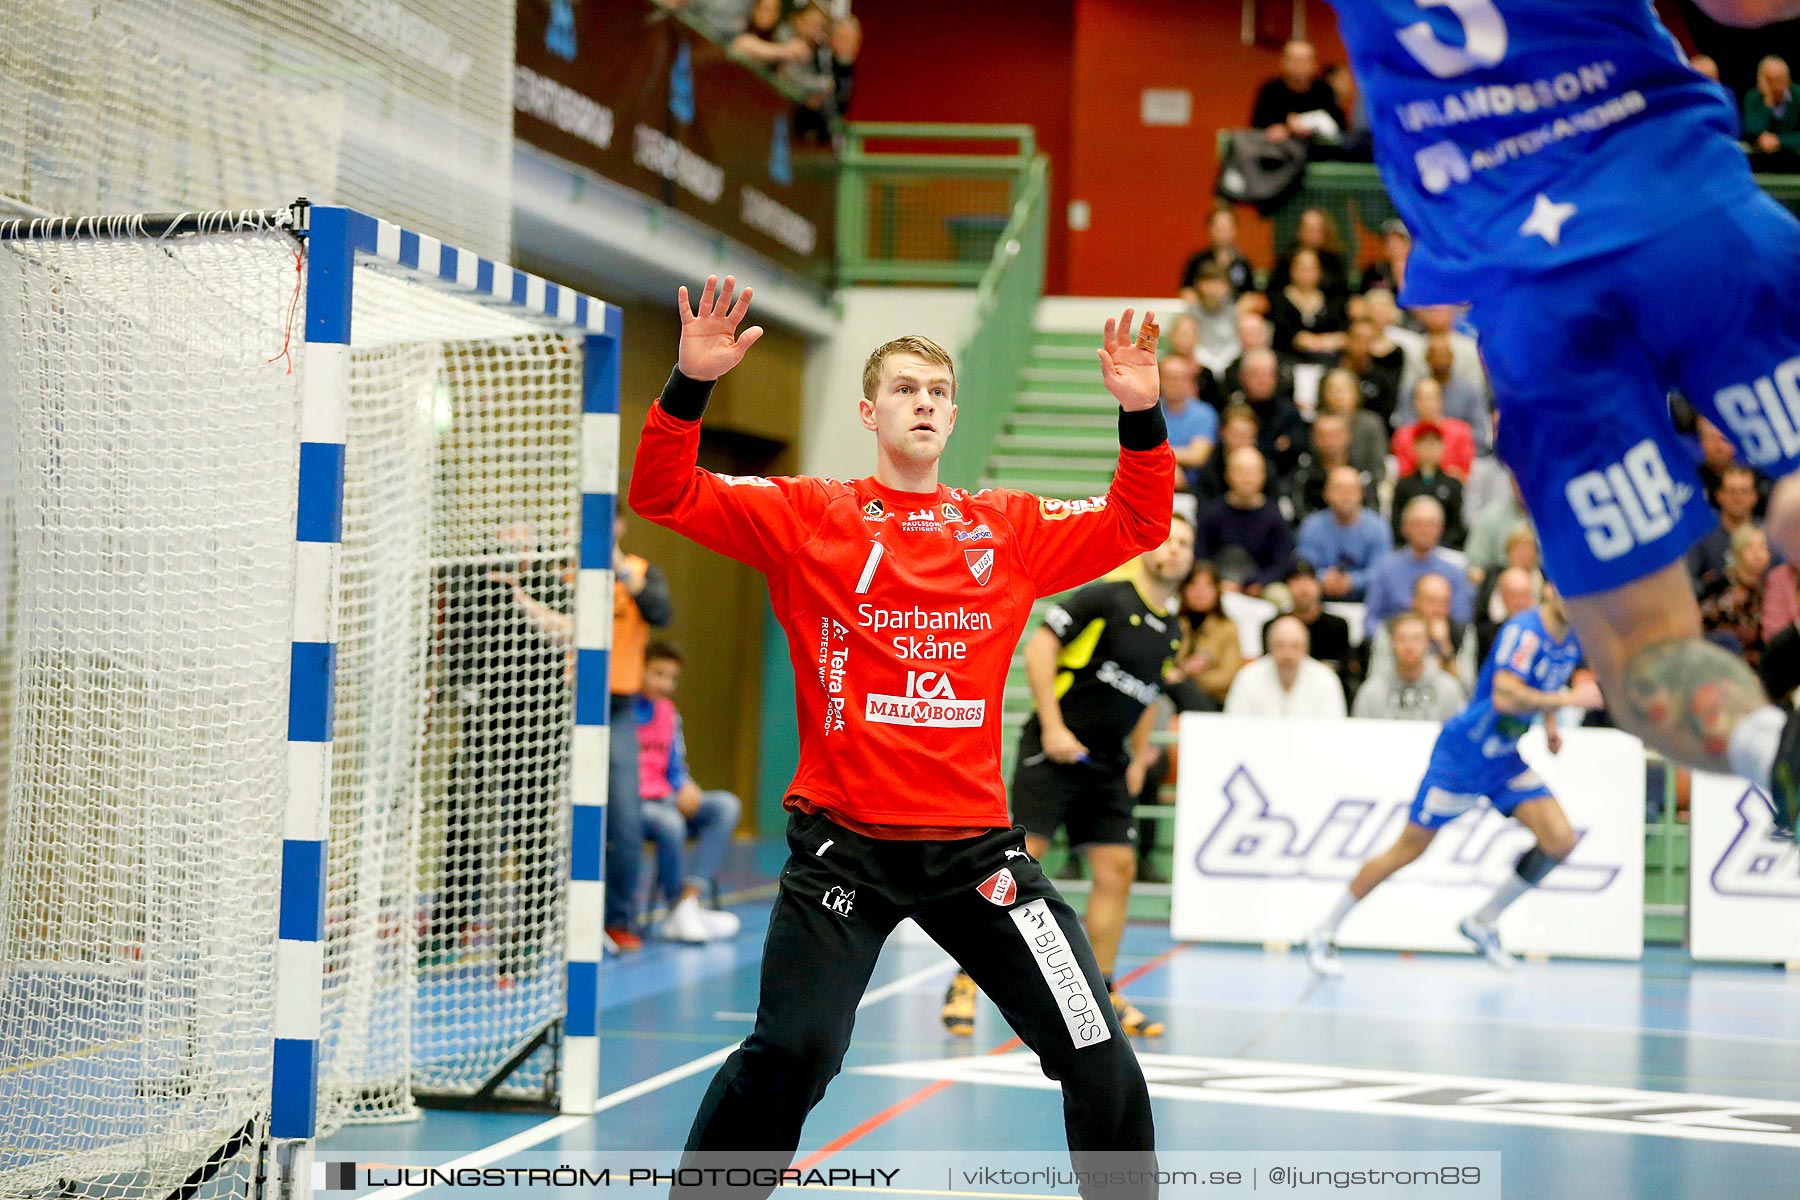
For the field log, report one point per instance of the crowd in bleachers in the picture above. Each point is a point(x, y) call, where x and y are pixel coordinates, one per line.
point(1339, 453)
point(1339, 458)
point(799, 40)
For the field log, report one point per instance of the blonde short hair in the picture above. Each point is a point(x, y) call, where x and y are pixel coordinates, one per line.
point(912, 343)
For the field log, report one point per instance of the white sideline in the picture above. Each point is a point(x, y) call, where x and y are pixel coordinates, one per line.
point(555, 1126)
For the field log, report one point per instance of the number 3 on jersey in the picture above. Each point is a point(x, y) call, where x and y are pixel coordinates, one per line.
point(1484, 38)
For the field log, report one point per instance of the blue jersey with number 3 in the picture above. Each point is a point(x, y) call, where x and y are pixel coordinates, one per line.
point(1534, 133)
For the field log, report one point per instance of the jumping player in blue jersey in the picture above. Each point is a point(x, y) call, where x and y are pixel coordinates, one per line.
point(1476, 757)
point(1565, 172)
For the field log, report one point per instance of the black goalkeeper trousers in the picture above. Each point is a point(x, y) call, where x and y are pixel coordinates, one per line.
point(989, 905)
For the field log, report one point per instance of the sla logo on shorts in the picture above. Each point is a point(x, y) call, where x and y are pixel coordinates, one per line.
point(840, 901)
point(999, 888)
point(1765, 415)
point(1056, 961)
point(1628, 504)
point(929, 703)
point(981, 564)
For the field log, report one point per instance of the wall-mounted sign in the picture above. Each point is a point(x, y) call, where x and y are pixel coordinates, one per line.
point(620, 88)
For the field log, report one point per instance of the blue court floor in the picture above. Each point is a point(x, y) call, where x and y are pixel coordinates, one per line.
point(1593, 1081)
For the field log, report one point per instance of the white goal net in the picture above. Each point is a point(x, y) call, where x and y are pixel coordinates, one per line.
point(147, 514)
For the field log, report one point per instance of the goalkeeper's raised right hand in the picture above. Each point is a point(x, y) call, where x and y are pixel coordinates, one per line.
point(710, 345)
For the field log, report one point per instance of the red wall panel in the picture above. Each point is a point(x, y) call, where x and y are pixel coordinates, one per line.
point(979, 62)
point(1076, 69)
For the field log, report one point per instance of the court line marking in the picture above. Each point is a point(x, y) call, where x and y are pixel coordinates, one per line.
point(870, 1124)
point(1484, 1021)
point(1579, 1108)
point(556, 1126)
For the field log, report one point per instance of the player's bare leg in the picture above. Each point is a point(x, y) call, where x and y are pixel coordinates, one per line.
point(1555, 842)
point(1113, 869)
point(1687, 698)
point(1321, 944)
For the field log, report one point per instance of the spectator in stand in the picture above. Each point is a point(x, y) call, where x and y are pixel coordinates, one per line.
point(1780, 668)
point(1237, 428)
point(1781, 600)
point(1735, 498)
point(1242, 532)
point(846, 48)
point(1377, 378)
point(1464, 400)
point(1704, 64)
point(1439, 321)
point(1491, 533)
point(1345, 538)
point(1505, 595)
point(1183, 335)
point(1330, 450)
point(1280, 429)
point(1393, 337)
point(1718, 455)
point(1254, 333)
point(756, 42)
point(1193, 423)
point(1428, 478)
point(1328, 635)
point(1389, 271)
point(1211, 652)
point(1414, 687)
point(1309, 322)
point(1772, 119)
point(1356, 143)
point(1291, 105)
point(1455, 436)
point(1392, 577)
point(1221, 248)
point(675, 809)
point(641, 600)
point(1731, 602)
point(814, 74)
point(1452, 641)
point(1316, 231)
point(1285, 682)
point(1368, 433)
point(1215, 319)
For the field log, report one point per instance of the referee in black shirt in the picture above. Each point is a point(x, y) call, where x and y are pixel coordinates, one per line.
point(1096, 667)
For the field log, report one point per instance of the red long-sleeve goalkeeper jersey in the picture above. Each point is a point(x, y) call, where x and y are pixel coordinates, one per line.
point(902, 610)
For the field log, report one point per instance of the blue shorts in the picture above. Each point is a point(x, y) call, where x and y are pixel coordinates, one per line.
point(1453, 785)
point(1583, 359)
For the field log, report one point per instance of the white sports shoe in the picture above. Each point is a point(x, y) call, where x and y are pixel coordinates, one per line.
point(1487, 942)
point(720, 923)
point(1322, 955)
point(686, 922)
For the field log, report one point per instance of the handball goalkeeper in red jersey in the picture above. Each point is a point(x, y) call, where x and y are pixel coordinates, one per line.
point(903, 599)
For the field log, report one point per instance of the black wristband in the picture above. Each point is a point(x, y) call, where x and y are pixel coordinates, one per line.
point(1144, 429)
point(686, 398)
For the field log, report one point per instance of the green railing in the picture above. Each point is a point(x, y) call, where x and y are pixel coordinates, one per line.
point(917, 205)
point(929, 208)
point(990, 361)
